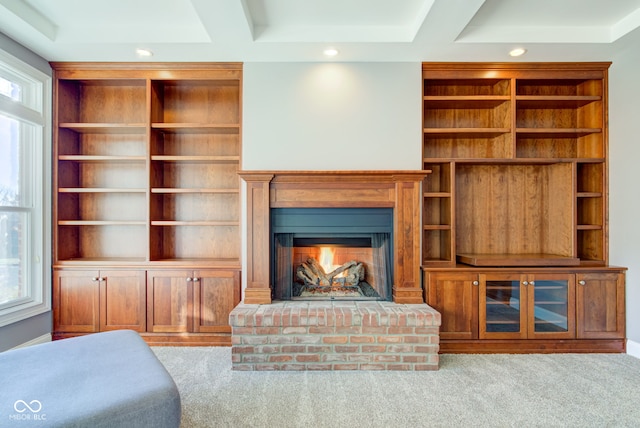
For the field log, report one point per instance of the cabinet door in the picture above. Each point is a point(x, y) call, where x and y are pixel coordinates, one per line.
point(216, 293)
point(169, 301)
point(75, 301)
point(455, 296)
point(122, 300)
point(503, 310)
point(600, 305)
point(551, 306)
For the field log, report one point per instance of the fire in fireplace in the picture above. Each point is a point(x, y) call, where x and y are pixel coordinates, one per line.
point(332, 253)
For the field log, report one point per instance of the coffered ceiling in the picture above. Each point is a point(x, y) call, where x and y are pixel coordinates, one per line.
point(299, 30)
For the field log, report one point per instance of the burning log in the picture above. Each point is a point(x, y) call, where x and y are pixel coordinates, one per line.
point(313, 274)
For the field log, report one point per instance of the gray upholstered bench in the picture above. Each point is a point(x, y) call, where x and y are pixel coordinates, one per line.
point(110, 379)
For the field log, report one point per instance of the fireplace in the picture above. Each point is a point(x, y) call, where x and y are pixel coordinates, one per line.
point(371, 222)
point(398, 193)
point(332, 253)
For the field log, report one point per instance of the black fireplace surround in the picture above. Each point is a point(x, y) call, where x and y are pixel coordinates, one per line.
point(335, 227)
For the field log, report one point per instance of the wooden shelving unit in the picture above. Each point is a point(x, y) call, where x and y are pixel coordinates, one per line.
point(519, 185)
point(145, 176)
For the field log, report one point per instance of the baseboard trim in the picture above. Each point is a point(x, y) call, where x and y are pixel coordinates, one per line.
point(633, 348)
point(42, 339)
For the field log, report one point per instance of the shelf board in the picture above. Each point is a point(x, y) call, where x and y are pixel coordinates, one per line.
point(108, 261)
point(437, 194)
point(589, 194)
point(101, 158)
point(100, 223)
point(98, 190)
point(105, 128)
point(554, 101)
point(589, 227)
point(463, 101)
point(194, 263)
point(197, 128)
point(193, 223)
point(437, 227)
point(171, 158)
point(517, 260)
point(465, 132)
point(191, 190)
point(437, 262)
point(555, 132)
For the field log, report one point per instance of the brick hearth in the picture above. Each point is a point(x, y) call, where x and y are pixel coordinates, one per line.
point(335, 335)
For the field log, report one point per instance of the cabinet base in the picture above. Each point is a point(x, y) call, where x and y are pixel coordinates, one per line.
point(172, 339)
point(531, 346)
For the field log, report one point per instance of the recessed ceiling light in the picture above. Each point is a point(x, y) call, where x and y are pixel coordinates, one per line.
point(517, 52)
point(143, 52)
point(330, 52)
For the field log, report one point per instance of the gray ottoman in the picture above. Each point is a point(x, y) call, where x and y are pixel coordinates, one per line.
point(110, 379)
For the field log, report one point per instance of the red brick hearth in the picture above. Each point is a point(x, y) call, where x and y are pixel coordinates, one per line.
point(296, 335)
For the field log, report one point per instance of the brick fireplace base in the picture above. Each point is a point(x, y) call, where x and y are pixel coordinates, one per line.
point(335, 335)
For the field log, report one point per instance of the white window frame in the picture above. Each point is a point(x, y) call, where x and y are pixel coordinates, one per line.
point(34, 109)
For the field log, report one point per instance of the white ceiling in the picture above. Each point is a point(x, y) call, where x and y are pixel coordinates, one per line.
point(299, 30)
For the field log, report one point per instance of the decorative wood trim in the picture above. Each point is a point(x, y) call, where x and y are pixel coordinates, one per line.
point(258, 290)
point(400, 190)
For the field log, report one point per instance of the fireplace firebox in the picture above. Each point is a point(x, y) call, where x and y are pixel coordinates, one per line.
point(332, 253)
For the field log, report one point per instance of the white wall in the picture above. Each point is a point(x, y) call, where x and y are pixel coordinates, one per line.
point(332, 116)
point(624, 176)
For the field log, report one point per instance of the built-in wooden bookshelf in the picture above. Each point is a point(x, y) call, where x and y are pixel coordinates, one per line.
point(145, 177)
point(518, 190)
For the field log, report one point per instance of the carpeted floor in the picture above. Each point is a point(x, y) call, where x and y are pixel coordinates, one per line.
point(558, 390)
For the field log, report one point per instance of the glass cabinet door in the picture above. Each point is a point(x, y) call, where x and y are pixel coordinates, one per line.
point(502, 306)
point(551, 306)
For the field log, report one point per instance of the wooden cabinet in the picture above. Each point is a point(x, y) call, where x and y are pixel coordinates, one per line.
point(145, 177)
point(527, 306)
point(184, 301)
point(533, 310)
point(600, 305)
point(455, 296)
point(216, 293)
point(518, 196)
point(88, 301)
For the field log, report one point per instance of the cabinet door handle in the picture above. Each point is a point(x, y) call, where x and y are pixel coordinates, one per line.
point(196, 279)
point(475, 283)
point(582, 282)
point(532, 283)
point(525, 283)
point(189, 279)
point(95, 278)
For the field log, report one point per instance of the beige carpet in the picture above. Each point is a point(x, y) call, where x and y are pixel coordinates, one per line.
point(559, 390)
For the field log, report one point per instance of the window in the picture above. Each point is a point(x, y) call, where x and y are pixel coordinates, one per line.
point(24, 189)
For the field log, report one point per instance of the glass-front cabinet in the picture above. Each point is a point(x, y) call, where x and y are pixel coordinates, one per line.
point(527, 306)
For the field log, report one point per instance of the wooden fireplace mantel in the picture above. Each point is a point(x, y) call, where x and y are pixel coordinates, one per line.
point(400, 190)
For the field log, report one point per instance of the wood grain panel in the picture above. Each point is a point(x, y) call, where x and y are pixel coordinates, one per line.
point(455, 296)
point(600, 305)
point(216, 294)
point(75, 301)
point(169, 301)
point(123, 300)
